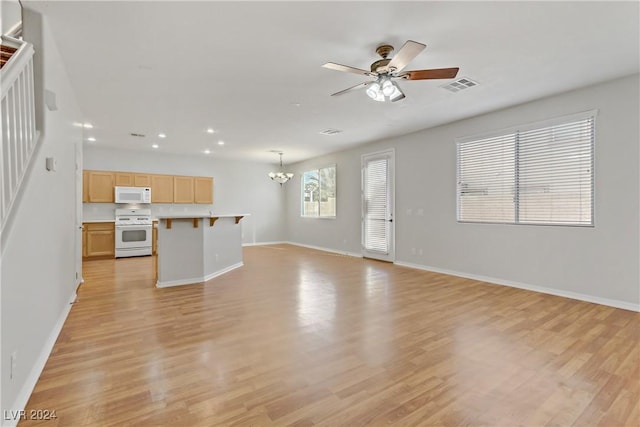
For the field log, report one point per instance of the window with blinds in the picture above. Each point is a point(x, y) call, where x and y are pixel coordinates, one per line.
point(538, 174)
point(319, 193)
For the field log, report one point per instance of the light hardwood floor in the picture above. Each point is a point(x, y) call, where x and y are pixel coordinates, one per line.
point(302, 337)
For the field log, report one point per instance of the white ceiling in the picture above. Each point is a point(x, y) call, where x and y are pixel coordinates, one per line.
point(252, 70)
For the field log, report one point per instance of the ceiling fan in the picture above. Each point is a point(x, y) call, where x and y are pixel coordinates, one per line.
point(386, 70)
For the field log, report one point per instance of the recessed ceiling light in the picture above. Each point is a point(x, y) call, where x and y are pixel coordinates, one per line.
point(162, 135)
point(207, 151)
point(155, 146)
point(87, 126)
point(92, 139)
point(220, 142)
point(210, 130)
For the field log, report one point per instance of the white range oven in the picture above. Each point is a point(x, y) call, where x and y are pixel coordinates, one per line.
point(134, 230)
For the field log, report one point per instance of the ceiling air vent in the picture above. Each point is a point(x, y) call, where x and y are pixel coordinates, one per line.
point(138, 135)
point(460, 84)
point(330, 132)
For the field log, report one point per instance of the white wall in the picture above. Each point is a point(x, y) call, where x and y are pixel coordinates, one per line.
point(598, 264)
point(38, 255)
point(238, 187)
point(11, 14)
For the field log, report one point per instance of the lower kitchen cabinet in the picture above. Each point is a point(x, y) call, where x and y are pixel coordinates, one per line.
point(154, 238)
point(84, 241)
point(99, 239)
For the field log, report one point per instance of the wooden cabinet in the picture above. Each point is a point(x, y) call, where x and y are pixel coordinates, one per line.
point(98, 187)
point(85, 186)
point(132, 179)
point(141, 180)
point(161, 188)
point(101, 185)
point(154, 238)
point(203, 189)
point(183, 189)
point(84, 241)
point(124, 179)
point(99, 239)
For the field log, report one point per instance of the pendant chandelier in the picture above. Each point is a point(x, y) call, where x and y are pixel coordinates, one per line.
point(280, 177)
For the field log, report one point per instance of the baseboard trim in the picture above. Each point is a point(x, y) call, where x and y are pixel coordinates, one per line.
point(27, 388)
point(195, 280)
point(320, 248)
point(551, 291)
point(263, 243)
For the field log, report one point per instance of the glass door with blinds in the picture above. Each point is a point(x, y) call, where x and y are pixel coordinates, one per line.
point(377, 206)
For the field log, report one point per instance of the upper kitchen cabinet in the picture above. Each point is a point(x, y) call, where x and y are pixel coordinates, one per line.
point(141, 180)
point(132, 179)
point(101, 185)
point(124, 179)
point(183, 189)
point(203, 189)
point(85, 186)
point(98, 187)
point(161, 188)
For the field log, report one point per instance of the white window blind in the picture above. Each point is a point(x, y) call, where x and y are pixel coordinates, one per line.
point(376, 199)
point(539, 174)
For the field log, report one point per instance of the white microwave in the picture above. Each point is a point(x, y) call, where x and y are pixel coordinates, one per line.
point(133, 195)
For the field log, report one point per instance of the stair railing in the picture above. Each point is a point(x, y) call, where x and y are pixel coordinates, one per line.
point(18, 124)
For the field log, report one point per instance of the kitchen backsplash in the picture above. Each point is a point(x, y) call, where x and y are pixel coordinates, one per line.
point(106, 211)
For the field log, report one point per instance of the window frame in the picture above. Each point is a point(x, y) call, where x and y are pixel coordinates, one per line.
point(302, 192)
point(556, 121)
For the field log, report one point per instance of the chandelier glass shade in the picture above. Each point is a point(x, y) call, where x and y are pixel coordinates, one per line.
point(280, 177)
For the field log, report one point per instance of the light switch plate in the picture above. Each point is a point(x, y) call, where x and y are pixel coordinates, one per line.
point(51, 164)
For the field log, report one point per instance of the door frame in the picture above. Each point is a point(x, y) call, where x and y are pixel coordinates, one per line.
point(78, 214)
point(391, 155)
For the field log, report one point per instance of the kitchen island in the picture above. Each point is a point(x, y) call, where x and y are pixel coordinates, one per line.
point(196, 248)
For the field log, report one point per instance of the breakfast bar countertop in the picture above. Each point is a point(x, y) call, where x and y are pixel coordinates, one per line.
point(183, 215)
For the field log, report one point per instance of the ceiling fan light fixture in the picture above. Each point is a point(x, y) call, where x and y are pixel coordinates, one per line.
point(385, 70)
point(397, 94)
point(373, 91)
point(388, 87)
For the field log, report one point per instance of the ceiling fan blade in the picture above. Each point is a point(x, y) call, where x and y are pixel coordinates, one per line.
point(358, 86)
point(346, 68)
point(407, 52)
point(436, 73)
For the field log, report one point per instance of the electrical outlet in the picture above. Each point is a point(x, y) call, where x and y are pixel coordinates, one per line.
point(217, 257)
point(14, 357)
point(420, 251)
point(420, 212)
